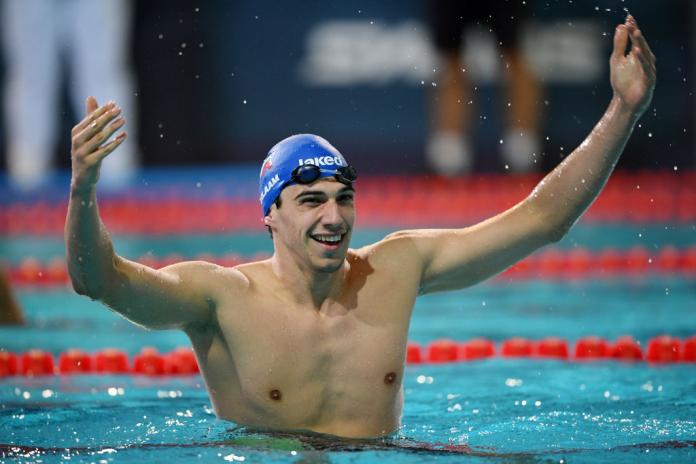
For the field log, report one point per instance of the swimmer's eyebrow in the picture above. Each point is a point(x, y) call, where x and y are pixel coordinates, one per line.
point(309, 193)
point(321, 193)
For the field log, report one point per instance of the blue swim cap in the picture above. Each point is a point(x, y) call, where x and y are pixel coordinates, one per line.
point(287, 155)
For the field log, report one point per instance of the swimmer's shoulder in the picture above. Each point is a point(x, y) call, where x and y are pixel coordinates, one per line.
point(398, 249)
point(209, 275)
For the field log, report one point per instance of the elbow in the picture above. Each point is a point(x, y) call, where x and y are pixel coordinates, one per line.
point(76, 282)
point(82, 289)
point(555, 231)
point(550, 226)
point(86, 286)
point(78, 287)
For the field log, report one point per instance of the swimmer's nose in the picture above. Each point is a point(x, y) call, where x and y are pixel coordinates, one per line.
point(331, 217)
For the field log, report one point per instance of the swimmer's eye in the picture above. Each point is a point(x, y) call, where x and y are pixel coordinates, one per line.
point(311, 201)
point(346, 199)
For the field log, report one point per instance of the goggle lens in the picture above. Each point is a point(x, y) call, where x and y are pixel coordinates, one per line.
point(308, 173)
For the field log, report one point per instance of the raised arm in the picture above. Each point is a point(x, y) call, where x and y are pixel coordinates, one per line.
point(453, 259)
point(174, 296)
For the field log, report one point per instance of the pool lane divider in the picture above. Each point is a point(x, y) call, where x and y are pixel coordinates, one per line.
point(552, 263)
point(181, 361)
point(382, 201)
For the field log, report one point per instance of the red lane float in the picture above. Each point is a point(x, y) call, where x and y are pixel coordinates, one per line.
point(112, 361)
point(8, 364)
point(654, 197)
point(591, 348)
point(414, 354)
point(689, 353)
point(516, 347)
point(182, 361)
point(552, 347)
point(443, 350)
point(626, 349)
point(664, 349)
point(551, 264)
point(36, 362)
point(149, 362)
point(74, 361)
point(478, 348)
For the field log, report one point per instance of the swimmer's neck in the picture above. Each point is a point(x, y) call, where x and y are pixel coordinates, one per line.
point(307, 286)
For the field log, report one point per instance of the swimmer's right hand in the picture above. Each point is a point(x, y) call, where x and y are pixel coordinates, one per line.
point(91, 144)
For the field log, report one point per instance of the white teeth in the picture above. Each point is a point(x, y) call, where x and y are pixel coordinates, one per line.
point(328, 238)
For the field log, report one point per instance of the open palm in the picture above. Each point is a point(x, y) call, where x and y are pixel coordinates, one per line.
point(633, 74)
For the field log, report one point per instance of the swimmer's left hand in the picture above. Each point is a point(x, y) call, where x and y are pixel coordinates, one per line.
point(633, 75)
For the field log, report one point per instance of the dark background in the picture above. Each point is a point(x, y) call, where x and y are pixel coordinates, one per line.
point(192, 106)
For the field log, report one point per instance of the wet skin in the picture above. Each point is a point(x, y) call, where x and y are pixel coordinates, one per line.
point(273, 357)
point(315, 337)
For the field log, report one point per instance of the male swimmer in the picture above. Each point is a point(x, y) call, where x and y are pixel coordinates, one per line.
point(314, 338)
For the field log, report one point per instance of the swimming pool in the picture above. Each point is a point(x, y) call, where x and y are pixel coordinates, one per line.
point(519, 408)
point(522, 410)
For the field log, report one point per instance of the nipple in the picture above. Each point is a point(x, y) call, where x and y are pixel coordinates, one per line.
point(389, 378)
point(275, 395)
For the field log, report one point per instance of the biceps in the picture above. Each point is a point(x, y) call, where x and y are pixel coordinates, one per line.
point(157, 299)
point(460, 258)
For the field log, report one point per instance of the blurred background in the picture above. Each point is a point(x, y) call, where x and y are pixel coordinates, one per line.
point(219, 82)
point(449, 115)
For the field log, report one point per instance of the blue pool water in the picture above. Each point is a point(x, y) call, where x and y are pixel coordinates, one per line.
point(504, 410)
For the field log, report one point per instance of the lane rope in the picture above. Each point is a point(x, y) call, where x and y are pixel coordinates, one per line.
point(383, 201)
point(662, 349)
point(553, 264)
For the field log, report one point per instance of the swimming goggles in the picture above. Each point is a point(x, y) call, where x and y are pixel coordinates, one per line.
point(308, 173)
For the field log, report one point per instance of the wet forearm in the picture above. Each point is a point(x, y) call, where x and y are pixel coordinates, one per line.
point(89, 247)
point(567, 191)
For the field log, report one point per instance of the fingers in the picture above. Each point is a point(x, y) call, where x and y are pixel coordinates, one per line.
point(102, 136)
point(104, 151)
point(91, 105)
point(103, 117)
point(638, 38)
point(92, 116)
point(620, 42)
point(645, 62)
point(640, 48)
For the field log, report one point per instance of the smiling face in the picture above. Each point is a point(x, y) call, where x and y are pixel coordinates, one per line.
point(314, 223)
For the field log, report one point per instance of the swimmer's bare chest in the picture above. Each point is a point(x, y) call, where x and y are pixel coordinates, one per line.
point(338, 370)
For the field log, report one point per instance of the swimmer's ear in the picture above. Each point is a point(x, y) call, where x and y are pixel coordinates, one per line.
point(269, 219)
